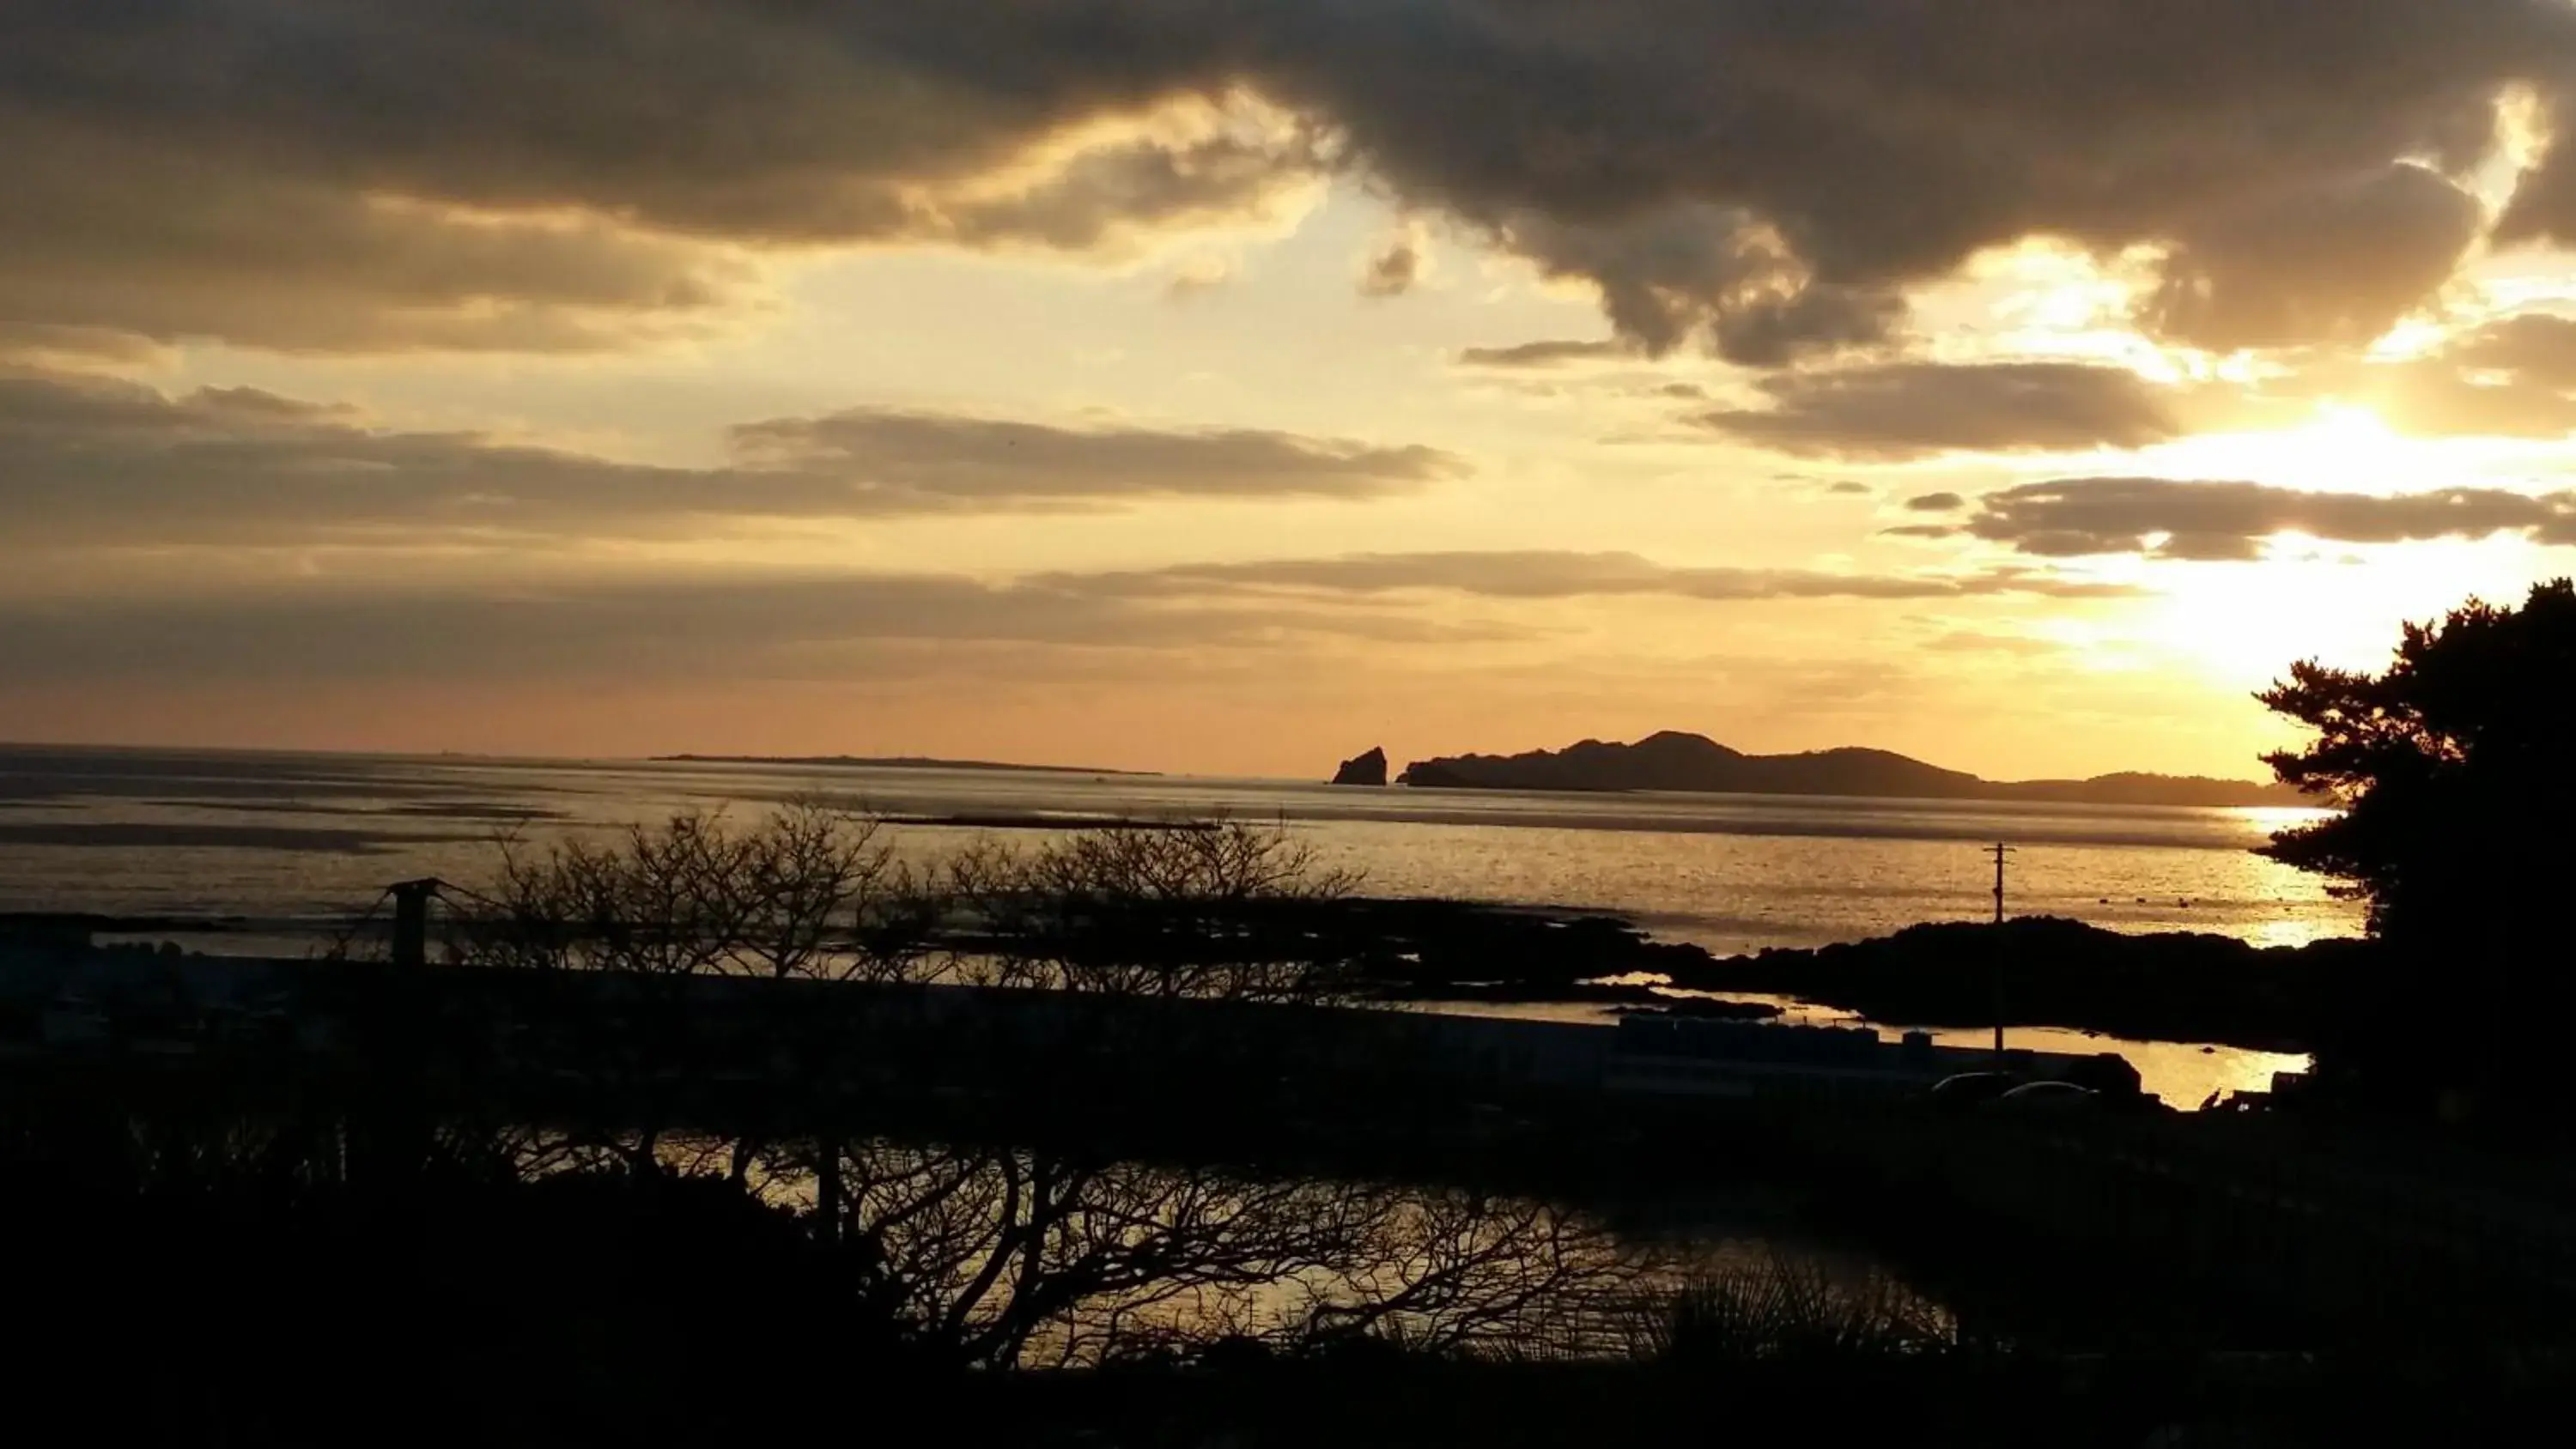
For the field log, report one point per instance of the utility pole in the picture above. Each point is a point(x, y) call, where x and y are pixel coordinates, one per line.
point(1999, 850)
point(411, 922)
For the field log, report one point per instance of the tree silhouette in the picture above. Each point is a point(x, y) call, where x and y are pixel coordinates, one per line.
point(1206, 909)
point(2455, 772)
point(2451, 768)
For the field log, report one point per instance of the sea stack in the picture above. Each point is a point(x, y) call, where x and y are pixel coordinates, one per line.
point(1368, 769)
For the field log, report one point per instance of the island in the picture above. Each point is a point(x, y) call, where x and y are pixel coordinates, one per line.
point(889, 762)
point(1672, 760)
point(1368, 769)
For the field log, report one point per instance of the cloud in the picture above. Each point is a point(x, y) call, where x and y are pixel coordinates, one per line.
point(2440, 397)
point(2543, 208)
point(1970, 641)
point(2513, 377)
point(703, 628)
point(1760, 179)
point(2509, 377)
point(110, 236)
point(2536, 347)
point(2337, 262)
point(1398, 265)
point(86, 461)
point(1549, 352)
point(2163, 518)
point(1694, 269)
point(1198, 276)
point(1935, 503)
point(1906, 410)
point(688, 630)
point(1100, 197)
point(1548, 574)
point(470, 179)
point(934, 460)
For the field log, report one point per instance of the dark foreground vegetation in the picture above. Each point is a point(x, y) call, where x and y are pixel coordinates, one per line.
point(191, 1274)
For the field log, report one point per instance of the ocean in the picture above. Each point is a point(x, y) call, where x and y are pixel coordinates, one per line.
point(294, 845)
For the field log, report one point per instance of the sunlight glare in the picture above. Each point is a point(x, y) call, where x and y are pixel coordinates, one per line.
point(2245, 624)
point(2345, 447)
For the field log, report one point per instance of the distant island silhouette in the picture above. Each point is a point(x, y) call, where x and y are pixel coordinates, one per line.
point(889, 762)
point(1367, 769)
point(1672, 760)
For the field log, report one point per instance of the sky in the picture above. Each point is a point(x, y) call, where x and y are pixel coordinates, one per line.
point(1229, 386)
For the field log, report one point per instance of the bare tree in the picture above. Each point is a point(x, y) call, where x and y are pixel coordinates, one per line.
point(649, 901)
point(1196, 909)
point(825, 896)
point(1461, 1272)
point(1001, 1257)
point(1203, 909)
point(808, 890)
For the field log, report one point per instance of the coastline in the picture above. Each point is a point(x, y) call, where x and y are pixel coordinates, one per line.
point(2055, 974)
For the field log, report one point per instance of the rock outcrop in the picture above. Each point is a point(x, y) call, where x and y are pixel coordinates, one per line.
point(1368, 769)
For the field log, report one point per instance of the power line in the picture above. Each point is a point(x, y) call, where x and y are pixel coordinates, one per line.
point(339, 950)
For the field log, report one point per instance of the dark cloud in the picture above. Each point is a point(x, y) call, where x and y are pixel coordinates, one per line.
point(1708, 271)
point(2544, 204)
point(92, 462)
point(116, 234)
point(1847, 487)
point(1765, 179)
point(1138, 185)
point(365, 176)
point(1394, 269)
point(1915, 409)
point(2534, 346)
point(1935, 503)
point(1775, 329)
point(1548, 574)
point(1550, 352)
point(2338, 262)
point(2228, 521)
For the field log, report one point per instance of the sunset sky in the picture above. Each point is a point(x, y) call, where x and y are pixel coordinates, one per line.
point(1231, 385)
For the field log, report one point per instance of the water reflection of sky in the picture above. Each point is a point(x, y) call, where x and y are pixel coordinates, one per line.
point(2181, 1074)
point(297, 836)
